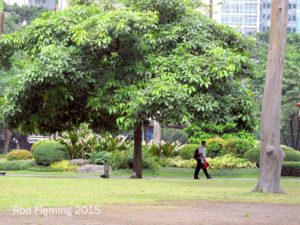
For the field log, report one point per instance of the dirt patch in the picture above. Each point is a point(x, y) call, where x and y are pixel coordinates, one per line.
point(195, 212)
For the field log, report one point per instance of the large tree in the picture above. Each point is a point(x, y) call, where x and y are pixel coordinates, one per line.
point(271, 155)
point(119, 67)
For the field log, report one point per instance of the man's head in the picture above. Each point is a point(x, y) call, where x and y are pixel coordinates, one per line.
point(203, 143)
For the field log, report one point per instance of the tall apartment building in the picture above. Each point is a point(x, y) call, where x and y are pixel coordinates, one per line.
point(293, 15)
point(243, 15)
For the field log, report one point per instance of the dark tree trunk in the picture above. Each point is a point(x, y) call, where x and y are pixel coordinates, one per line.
point(271, 155)
point(7, 137)
point(298, 136)
point(292, 129)
point(137, 157)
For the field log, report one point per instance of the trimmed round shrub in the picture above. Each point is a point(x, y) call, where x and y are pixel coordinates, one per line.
point(36, 144)
point(253, 155)
point(215, 147)
point(49, 152)
point(236, 146)
point(292, 156)
point(19, 154)
point(187, 151)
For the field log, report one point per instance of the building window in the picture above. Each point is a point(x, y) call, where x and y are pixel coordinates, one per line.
point(251, 20)
point(250, 8)
point(250, 32)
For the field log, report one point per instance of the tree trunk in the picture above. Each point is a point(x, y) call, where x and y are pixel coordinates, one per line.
point(298, 136)
point(292, 129)
point(271, 155)
point(1, 22)
point(7, 137)
point(211, 8)
point(137, 157)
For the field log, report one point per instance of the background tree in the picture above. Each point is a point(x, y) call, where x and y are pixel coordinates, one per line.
point(271, 155)
point(290, 88)
point(146, 59)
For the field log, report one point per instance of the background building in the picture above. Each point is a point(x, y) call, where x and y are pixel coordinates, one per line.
point(293, 15)
point(47, 4)
point(243, 15)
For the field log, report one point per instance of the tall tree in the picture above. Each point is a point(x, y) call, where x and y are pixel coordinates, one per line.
point(147, 59)
point(271, 155)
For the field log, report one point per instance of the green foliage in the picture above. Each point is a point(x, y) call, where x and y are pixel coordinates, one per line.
point(290, 169)
point(17, 165)
point(164, 149)
point(109, 143)
point(63, 165)
point(178, 162)
point(145, 59)
point(236, 146)
point(187, 151)
point(19, 155)
point(124, 160)
point(79, 142)
point(36, 144)
point(99, 158)
point(291, 155)
point(229, 161)
point(49, 152)
point(291, 80)
point(253, 155)
point(215, 147)
point(172, 135)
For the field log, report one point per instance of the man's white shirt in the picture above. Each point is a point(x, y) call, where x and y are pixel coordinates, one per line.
point(202, 154)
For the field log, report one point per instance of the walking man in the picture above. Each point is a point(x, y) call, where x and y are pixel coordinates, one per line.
point(200, 156)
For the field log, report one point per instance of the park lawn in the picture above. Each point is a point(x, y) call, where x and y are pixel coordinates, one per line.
point(54, 192)
point(161, 172)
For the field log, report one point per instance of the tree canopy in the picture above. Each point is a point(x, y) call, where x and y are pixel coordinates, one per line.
point(291, 79)
point(148, 59)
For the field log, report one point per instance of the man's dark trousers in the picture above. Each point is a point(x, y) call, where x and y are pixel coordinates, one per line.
point(197, 170)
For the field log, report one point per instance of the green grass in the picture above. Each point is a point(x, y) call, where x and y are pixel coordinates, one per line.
point(30, 192)
point(162, 172)
point(181, 172)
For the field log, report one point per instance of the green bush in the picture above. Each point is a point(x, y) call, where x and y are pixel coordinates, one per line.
point(164, 149)
point(49, 152)
point(253, 155)
point(36, 144)
point(178, 162)
point(124, 160)
point(19, 154)
point(215, 147)
point(187, 151)
point(17, 165)
point(290, 169)
point(63, 165)
point(292, 156)
point(99, 158)
point(236, 146)
point(174, 135)
point(229, 161)
point(80, 141)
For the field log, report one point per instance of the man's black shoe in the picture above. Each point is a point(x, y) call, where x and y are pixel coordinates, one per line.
point(196, 178)
point(209, 178)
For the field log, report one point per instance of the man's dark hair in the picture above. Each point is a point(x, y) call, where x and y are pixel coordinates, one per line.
point(203, 142)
